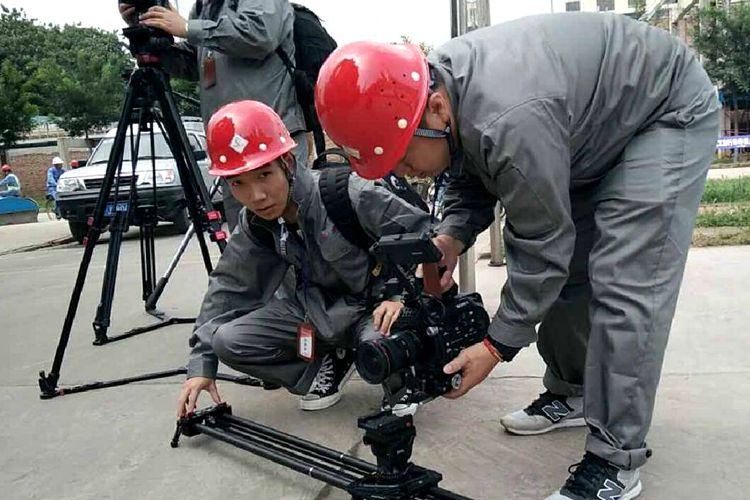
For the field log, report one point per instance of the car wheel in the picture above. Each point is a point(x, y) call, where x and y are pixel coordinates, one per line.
point(78, 230)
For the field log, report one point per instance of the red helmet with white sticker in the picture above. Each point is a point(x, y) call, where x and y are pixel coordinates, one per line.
point(370, 98)
point(244, 136)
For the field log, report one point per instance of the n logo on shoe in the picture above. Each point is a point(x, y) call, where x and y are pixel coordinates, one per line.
point(555, 411)
point(611, 491)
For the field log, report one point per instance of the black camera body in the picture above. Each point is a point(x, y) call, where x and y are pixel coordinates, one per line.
point(430, 332)
point(142, 6)
point(145, 43)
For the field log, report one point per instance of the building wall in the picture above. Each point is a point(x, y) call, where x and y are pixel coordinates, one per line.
point(31, 164)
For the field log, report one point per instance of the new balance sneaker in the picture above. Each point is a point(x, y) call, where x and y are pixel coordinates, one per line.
point(325, 391)
point(596, 479)
point(404, 406)
point(547, 413)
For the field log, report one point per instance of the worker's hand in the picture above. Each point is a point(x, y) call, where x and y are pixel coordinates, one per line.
point(386, 314)
point(191, 389)
point(166, 19)
point(474, 363)
point(127, 12)
point(451, 248)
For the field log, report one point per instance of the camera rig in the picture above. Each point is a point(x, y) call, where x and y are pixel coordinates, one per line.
point(389, 436)
point(432, 330)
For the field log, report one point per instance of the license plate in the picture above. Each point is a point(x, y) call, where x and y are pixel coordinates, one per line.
point(122, 206)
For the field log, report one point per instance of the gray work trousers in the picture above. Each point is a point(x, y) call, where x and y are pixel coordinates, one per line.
point(606, 334)
point(232, 207)
point(263, 344)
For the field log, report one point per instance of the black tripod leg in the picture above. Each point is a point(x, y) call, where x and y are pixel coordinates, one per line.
point(117, 227)
point(187, 164)
point(148, 251)
point(48, 383)
point(154, 298)
point(191, 185)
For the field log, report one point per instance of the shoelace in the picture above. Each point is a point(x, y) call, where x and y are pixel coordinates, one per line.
point(324, 378)
point(587, 475)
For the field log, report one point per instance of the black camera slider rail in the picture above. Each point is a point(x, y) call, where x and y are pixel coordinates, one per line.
point(361, 479)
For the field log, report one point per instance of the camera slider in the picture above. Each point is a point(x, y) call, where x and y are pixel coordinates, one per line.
point(390, 437)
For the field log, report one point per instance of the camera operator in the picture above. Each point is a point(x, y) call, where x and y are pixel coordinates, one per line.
point(300, 339)
point(229, 49)
point(599, 153)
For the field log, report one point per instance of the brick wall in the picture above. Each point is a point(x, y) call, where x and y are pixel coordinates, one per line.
point(31, 169)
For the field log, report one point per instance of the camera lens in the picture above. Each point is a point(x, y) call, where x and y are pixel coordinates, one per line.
point(378, 359)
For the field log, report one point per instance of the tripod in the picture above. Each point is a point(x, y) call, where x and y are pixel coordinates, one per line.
point(148, 87)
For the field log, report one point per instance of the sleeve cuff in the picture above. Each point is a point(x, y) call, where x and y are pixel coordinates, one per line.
point(511, 335)
point(458, 232)
point(203, 366)
point(507, 353)
point(195, 32)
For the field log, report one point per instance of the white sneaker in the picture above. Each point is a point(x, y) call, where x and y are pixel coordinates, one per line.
point(325, 391)
point(596, 479)
point(547, 413)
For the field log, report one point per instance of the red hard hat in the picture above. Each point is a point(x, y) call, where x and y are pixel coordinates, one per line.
point(6, 168)
point(244, 136)
point(370, 98)
point(74, 164)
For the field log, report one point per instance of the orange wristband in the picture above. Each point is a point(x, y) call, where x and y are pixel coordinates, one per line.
point(492, 349)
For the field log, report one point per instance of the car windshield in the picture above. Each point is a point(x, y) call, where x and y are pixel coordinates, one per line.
point(161, 150)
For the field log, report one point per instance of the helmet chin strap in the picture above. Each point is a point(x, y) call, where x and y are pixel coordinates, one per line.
point(455, 153)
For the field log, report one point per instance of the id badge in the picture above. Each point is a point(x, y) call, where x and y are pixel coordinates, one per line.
point(306, 342)
point(209, 71)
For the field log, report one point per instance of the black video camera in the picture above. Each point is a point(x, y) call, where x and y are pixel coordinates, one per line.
point(142, 6)
point(431, 331)
point(145, 43)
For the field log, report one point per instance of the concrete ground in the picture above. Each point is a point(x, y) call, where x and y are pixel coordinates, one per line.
point(113, 443)
point(728, 173)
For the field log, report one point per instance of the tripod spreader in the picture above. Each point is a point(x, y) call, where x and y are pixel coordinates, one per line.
point(391, 438)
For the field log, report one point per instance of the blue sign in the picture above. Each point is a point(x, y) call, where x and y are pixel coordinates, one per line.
point(733, 142)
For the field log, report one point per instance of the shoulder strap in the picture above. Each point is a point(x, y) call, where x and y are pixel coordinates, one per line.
point(334, 192)
point(287, 61)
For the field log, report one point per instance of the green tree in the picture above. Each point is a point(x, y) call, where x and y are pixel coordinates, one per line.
point(72, 73)
point(16, 109)
point(723, 37)
point(189, 89)
point(426, 48)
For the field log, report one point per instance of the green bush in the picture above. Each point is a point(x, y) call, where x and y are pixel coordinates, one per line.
point(736, 216)
point(727, 190)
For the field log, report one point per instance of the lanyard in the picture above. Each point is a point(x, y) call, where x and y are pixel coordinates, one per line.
point(305, 268)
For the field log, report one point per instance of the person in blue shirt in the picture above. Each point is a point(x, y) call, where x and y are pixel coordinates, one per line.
point(10, 182)
point(53, 175)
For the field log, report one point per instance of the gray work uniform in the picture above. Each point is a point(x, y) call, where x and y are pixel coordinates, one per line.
point(247, 326)
point(242, 42)
point(596, 133)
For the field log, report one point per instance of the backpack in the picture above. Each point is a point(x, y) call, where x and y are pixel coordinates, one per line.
point(312, 46)
point(333, 184)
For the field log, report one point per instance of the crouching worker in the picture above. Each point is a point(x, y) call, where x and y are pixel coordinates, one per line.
point(301, 338)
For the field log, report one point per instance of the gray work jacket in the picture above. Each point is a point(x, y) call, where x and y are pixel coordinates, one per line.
point(544, 106)
point(253, 265)
point(242, 43)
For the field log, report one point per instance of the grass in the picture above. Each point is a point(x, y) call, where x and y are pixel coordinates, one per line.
point(727, 190)
point(720, 236)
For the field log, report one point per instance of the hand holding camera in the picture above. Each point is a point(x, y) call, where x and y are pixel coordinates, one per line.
point(158, 14)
